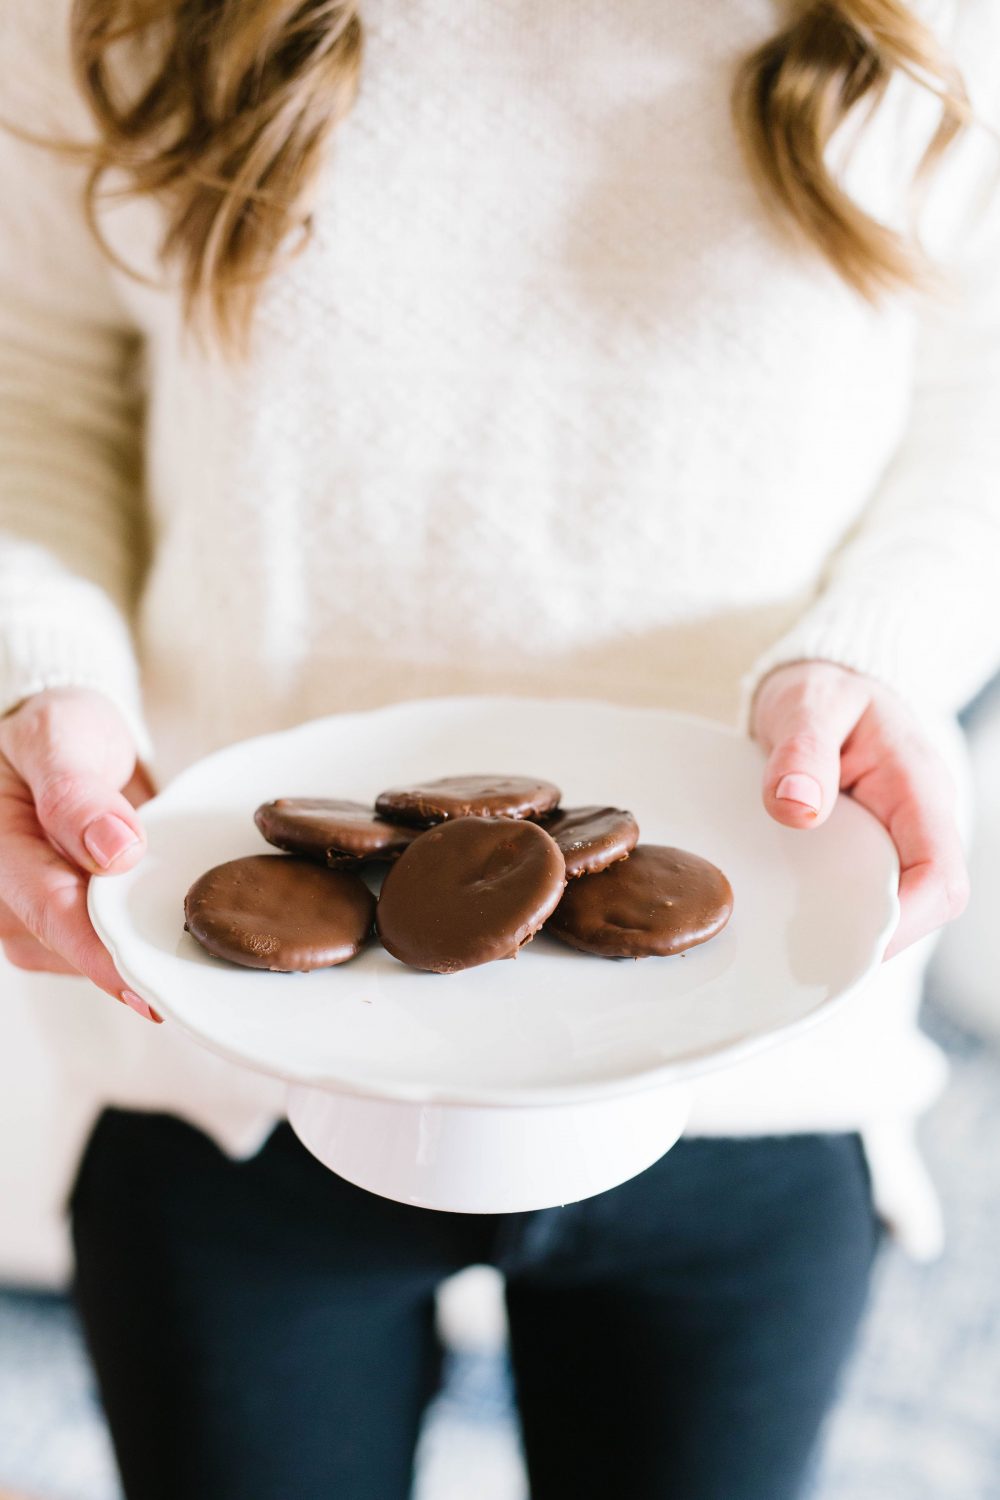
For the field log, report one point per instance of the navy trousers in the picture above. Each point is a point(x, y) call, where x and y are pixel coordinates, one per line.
point(264, 1331)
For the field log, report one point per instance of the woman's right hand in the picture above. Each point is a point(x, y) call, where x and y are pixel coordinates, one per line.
point(69, 786)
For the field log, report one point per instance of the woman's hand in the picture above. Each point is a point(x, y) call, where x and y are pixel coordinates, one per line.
point(69, 787)
point(828, 729)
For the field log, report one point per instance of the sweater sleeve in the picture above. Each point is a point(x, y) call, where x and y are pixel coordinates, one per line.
point(70, 518)
point(912, 596)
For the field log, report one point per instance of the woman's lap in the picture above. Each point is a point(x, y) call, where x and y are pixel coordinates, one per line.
point(264, 1329)
point(705, 1316)
point(254, 1336)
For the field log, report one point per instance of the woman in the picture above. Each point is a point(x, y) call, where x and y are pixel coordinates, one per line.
point(579, 382)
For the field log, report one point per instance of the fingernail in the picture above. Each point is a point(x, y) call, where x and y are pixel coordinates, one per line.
point(107, 837)
point(140, 1007)
point(799, 788)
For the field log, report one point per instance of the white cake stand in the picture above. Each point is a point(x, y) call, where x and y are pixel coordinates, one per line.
point(515, 1085)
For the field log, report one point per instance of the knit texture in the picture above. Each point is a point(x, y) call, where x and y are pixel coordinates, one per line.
point(549, 405)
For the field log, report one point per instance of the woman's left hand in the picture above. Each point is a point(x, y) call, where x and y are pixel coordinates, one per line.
point(828, 729)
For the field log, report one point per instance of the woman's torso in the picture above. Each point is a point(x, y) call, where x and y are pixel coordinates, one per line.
point(548, 404)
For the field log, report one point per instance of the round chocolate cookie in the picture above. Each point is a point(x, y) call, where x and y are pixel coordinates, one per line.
point(469, 891)
point(340, 834)
point(657, 901)
point(429, 802)
point(272, 911)
point(591, 838)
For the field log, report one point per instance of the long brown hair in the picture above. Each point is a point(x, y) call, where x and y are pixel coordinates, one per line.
point(226, 127)
point(228, 124)
point(793, 93)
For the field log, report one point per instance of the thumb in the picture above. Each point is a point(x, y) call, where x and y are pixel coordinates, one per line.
point(802, 778)
point(802, 719)
point(75, 753)
point(88, 821)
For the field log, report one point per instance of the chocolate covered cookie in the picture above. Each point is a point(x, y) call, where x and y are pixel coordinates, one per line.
point(340, 834)
point(428, 802)
point(273, 911)
point(591, 838)
point(469, 891)
point(657, 901)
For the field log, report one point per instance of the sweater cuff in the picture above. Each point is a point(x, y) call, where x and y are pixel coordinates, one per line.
point(862, 637)
point(38, 655)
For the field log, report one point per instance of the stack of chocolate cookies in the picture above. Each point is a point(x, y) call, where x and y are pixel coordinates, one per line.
point(477, 865)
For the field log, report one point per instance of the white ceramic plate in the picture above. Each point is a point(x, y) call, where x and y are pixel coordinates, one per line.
point(812, 914)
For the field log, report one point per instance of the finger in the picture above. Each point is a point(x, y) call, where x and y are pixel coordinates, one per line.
point(910, 792)
point(933, 879)
point(26, 952)
point(928, 899)
point(94, 825)
point(800, 778)
point(10, 926)
point(803, 720)
point(49, 897)
point(72, 762)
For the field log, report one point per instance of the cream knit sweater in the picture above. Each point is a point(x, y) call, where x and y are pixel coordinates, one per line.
point(549, 405)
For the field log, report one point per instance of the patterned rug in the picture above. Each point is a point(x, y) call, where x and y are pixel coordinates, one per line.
point(918, 1420)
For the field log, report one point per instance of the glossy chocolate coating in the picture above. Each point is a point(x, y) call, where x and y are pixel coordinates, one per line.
point(469, 891)
point(339, 834)
point(591, 838)
point(273, 911)
point(657, 901)
point(428, 802)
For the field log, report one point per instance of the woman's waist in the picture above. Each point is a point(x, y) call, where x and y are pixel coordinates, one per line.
point(209, 690)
